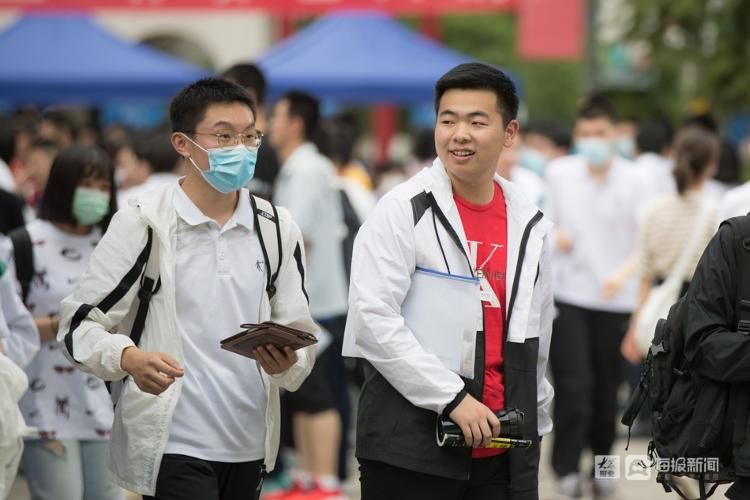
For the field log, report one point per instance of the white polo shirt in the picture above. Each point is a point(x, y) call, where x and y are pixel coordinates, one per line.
point(219, 277)
point(306, 186)
point(602, 218)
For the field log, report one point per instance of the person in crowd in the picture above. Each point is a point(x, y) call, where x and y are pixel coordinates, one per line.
point(653, 160)
point(344, 134)
point(423, 151)
point(250, 77)
point(458, 225)
point(541, 143)
point(71, 411)
point(306, 186)
point(36, 165)
point(669, 223)
point(595, 200)
point(155, 156)
point(508, 167)
point(625, 141)
point(16, 329)
point(60, 126)
point(213, 430)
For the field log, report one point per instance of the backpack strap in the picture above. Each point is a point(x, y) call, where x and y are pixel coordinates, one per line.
point(150, 284)
point(266, 219)
point(23, 254)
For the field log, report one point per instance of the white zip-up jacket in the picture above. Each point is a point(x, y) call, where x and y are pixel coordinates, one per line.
point(396, 239)
point(105, 302)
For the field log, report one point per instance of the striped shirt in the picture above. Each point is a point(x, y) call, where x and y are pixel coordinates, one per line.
point(667, 227)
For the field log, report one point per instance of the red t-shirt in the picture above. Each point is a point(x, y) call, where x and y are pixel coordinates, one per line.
point(486, 228)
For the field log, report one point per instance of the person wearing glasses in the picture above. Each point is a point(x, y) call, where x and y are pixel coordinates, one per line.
point(193, 420)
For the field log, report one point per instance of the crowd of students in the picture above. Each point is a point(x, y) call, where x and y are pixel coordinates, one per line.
point(88, 213)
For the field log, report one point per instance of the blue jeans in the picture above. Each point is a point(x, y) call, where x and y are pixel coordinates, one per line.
point(74, 471)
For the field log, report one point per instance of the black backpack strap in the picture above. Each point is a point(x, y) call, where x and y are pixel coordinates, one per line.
point(266, 220)
point(150, 284)
point(23, 254)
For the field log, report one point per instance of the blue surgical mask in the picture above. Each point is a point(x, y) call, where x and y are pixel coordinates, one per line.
point(533, 159)
point(596, 151)
point(229, 169)
point(626, 147)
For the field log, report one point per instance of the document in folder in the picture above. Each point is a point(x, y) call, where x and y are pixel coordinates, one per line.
point(443, 311)
point(261, 334)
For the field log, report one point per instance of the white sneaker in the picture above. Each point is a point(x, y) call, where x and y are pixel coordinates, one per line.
point(569, 486)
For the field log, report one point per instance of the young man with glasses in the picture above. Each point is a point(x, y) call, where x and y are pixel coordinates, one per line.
point(193, 420)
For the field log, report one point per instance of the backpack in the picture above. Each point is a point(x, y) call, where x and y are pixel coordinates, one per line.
point(265, 218)
point(693, 417)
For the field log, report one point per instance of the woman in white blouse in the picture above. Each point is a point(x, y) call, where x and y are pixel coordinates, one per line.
point(71, 410)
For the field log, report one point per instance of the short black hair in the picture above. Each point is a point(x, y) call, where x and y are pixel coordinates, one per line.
point(597, 106)
point(247, 76)
point(7, 140)
point(423, 147)
point(654, 135)
point(478, 76)
point(189, 106)
point(70, 168)
point(306, 107)
point(155, 148)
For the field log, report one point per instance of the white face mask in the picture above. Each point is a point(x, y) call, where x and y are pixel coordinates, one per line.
point(596, 151)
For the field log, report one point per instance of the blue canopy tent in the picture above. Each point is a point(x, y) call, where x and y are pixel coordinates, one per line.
point(360, 58)
point(47, 59)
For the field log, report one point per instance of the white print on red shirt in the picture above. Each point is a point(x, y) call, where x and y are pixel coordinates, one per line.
point(487, 293)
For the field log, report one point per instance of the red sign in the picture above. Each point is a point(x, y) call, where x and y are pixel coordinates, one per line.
point(289, 7)
point(550, 29)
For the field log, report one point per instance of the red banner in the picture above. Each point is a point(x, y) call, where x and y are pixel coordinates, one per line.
point(287, 7)
point(550, 29)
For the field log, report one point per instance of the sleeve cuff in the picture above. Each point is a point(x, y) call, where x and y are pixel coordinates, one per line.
point(456, 401)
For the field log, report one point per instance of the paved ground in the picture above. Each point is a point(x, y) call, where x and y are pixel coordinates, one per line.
point(628, 489)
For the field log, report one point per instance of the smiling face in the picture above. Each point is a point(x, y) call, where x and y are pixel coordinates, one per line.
point(470, 134)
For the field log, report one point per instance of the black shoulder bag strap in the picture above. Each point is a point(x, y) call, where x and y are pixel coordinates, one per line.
point(23, 254)
point(262, 218)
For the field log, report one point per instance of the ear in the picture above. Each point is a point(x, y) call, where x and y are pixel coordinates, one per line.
point(180, 144)
point(511, 131)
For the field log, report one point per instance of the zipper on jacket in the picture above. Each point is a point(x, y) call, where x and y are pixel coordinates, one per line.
point(519, 266)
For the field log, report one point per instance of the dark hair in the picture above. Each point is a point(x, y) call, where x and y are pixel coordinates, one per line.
point(729, 164)
point(7, 141)
point(189, 106)
point(247, 76)
point(478, 76)
point(654, 135)
point(305, 107)
point(597, 106)
point(62, 118)
point(694, 151)
point(155, 148)
point(704, 121)
point(70, 168)
point(47, 145)
point(553, 131)
point(424, 145)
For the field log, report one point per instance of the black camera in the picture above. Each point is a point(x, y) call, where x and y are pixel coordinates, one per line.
point(449, 434)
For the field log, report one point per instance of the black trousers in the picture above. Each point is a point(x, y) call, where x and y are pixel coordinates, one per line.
point(587, 371)
point(187, 478)
point(489, 480)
